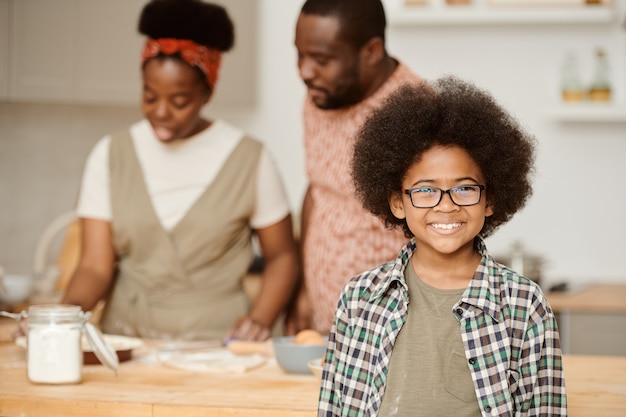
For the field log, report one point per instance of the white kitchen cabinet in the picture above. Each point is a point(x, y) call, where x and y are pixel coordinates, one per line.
point(88, 51)
point(593, 333)
point(4, 49)
point(74, 51)
point(42, 50)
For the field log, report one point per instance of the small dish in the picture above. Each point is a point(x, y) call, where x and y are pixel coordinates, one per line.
point(123, 346)
point(315, 366)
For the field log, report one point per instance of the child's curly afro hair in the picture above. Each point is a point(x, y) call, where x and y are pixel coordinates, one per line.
point(447, 112)
point(204, 23)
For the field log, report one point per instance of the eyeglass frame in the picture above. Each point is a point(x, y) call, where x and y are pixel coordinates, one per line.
point(481, 188)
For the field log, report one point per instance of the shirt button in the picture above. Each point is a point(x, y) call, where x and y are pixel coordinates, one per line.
point(472, 361)
point(459, 312)
point(488, 409)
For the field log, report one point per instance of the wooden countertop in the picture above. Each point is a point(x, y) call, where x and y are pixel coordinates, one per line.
point(151, 389)
point(596, 387)
point(598, 298)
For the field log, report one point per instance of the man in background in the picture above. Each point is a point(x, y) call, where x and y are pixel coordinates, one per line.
point(343, 62)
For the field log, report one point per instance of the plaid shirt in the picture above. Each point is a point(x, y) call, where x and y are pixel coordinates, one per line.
point(507, 326)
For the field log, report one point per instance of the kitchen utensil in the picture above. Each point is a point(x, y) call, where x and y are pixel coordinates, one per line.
point(524, 263)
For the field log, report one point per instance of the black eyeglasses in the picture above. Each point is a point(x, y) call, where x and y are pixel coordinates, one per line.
point(429, 197)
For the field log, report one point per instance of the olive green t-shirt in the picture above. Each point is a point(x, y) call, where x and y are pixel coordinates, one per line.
point(428, 373)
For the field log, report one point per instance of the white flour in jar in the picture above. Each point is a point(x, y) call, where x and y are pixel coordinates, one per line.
point(54, 353)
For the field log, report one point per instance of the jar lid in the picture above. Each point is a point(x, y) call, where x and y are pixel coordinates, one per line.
point(103, 351)
point(55, 311)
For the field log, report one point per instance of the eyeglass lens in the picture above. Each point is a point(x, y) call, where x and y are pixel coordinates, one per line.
point(463, 195)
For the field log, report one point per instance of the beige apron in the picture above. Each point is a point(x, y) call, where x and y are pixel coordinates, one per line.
point(186, 283)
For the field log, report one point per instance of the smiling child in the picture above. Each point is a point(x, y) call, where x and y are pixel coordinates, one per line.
point(443, 329)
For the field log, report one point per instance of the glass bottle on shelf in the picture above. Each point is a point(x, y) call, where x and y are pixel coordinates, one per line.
point(571, 83)
point(600, 88)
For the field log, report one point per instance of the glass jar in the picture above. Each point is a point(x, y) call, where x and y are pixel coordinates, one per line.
point(54, 354)
point(571, 82)
point(600, 89)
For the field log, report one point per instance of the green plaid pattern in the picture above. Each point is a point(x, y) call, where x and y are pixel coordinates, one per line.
point(508, 329)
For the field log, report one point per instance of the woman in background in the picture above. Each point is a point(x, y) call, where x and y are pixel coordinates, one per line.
point(169, 207)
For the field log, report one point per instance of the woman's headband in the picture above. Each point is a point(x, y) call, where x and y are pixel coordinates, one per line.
point(206, 59)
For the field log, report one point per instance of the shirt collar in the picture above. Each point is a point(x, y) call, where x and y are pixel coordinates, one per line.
point(481, 292)
point(394, 273)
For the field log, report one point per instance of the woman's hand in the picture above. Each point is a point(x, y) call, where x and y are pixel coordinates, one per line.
point(247, 329)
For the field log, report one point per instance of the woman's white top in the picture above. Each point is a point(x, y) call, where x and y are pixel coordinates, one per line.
point(177, 173)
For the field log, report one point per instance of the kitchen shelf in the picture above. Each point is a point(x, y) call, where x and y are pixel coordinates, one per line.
point(401, 15)
point(589, 112)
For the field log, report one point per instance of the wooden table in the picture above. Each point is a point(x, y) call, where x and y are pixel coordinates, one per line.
point(598, 298)
point(596, 387)
point(150, 389)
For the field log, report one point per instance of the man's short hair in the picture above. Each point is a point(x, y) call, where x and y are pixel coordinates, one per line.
point(359, 20)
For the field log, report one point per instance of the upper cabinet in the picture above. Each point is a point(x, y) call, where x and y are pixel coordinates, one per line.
point(4, 49)
point(74, 51)
point(88, 51)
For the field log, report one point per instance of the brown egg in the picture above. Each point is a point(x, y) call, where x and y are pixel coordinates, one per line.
point(309, 337)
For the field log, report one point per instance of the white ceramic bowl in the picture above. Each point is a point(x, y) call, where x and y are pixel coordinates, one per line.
point(293, 358)
point(15, 288)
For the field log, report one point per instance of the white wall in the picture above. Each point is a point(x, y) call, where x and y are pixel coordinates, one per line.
point(277, 119)
point(582, 241)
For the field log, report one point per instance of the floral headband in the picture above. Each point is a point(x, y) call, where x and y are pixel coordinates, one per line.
point(208, 60)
